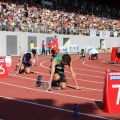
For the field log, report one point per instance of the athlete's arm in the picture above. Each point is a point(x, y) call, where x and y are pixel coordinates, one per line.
point(36, 55)
point(32, 63)
point(73, 75)
point(54, 63)
point(20, 62)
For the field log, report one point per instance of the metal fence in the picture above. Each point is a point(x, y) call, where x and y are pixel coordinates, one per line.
point(51, 30)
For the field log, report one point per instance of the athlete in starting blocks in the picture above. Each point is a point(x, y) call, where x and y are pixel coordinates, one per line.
point(57, 75)
point(26, 62)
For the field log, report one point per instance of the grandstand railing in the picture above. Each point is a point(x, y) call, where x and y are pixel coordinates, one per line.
point(58, 30)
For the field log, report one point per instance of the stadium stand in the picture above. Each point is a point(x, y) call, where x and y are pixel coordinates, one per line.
point(55, 17)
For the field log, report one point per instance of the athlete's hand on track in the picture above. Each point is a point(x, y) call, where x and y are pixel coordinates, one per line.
point(17, 72)
point(77, 88)
point(34, 72)
point(49, 88)
point(108, 70)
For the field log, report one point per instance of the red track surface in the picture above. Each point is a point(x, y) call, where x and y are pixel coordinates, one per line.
point(20, 99)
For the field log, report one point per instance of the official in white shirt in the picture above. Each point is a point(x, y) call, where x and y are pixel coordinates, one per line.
point(94, 54)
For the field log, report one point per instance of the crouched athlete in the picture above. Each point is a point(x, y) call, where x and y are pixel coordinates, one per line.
point(57, 71)
point(82, 55)
point(25, 63)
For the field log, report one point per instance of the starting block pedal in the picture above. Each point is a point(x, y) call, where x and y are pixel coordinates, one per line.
point(56, 87)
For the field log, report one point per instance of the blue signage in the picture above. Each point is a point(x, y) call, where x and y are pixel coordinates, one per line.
point(114, 77)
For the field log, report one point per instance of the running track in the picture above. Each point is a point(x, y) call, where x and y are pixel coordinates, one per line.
point(20, 99)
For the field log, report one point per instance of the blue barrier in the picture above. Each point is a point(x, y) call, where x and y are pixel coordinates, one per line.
point(88, 48)
point(63, 49)
point(74, 49)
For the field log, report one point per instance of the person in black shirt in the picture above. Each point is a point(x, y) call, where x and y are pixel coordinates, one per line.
point(82, 55)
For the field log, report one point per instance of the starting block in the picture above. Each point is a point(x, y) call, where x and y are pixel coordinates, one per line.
point(56, 87)
point(39, 82)
point(8, 61)
point(3, 69)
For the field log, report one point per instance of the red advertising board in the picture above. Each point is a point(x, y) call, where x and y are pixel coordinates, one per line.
point(3, 69)
point(111, 93)
point(114, 54)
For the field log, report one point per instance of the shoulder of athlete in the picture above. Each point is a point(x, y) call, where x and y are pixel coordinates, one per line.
point(54, 62)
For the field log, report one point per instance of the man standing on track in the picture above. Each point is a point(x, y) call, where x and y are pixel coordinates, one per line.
point(50, 46)
point(31, 46)
point(43, 48)
point(57, 75)
point(55, 42)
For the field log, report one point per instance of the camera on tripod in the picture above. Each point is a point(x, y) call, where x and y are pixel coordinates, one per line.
point(39, 82)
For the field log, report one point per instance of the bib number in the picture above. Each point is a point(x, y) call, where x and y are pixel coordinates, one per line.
point(2, 70)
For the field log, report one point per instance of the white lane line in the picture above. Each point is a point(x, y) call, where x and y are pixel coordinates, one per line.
point(85, 88)
point(85, 74)
point(92, 66)
point(50, 92)
point(46, 81)
point(41, 64)
point(49, 75)
point(90, 81)
point(88, 70)
point(51, 107)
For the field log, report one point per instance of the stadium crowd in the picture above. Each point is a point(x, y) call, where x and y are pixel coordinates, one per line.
point(45, 19)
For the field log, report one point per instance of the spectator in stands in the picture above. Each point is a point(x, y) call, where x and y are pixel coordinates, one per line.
point(64, 21)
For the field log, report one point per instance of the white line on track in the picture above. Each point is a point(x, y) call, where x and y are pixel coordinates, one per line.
point(50, 92)
point(51, 107)
point(92, 66)
point(46, 81)
point(85, 88)
point(76, 73)
point(41, 64)
point(49, 74)
point(89, 81)
point(89, 70)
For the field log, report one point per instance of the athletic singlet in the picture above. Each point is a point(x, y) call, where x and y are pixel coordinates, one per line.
point(54, 55)
point(83, 54)
point(24, 59)
point(59, 68)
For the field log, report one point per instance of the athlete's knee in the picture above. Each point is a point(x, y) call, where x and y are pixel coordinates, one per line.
point(56, 77)
point(63, 85)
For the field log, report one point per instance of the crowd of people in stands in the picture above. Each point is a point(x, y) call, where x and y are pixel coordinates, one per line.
point(45, 19)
